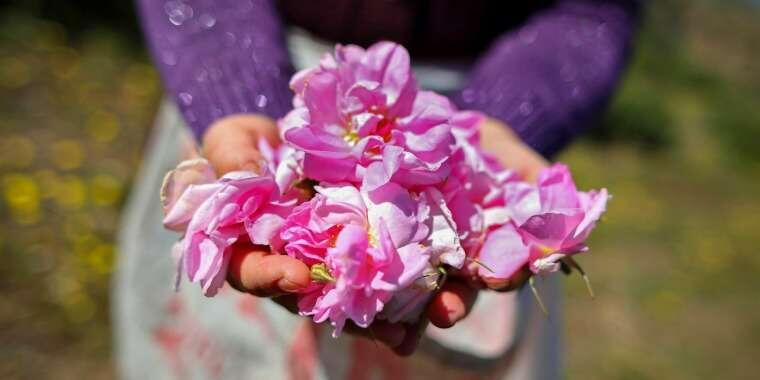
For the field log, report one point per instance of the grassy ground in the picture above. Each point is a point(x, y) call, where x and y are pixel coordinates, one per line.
point(674, 264)
point(75, 114)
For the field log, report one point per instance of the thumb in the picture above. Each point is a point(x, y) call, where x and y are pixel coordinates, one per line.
point(231, 143)
point(499, 140)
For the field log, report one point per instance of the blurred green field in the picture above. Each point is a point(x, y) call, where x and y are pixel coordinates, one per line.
point(675, 263)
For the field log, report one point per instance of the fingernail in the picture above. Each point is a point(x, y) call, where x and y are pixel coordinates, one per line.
point(289, 286)
point(496, 284)
point(455, 315)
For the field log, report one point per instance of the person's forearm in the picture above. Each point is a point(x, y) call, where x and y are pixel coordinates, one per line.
point(219, 57)
point(550, 78)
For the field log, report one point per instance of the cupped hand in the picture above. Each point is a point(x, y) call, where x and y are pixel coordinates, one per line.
point(499, 140)
point(230, 144)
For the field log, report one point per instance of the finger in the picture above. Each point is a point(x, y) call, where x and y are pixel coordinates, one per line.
point(451, 304)
point(389, 334)
point(231, 143)
point(412, 338)
point(525, 161)
point(513, 283)
point(499, 140)
point(254, 270)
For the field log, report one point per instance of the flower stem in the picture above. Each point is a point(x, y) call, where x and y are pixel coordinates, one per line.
point(574, 264)
point(532, 284)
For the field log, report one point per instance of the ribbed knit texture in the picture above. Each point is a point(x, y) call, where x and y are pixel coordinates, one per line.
point(219, 57)
point(547, 79)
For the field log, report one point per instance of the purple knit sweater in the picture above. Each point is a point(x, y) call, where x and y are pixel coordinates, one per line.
point(546, 77)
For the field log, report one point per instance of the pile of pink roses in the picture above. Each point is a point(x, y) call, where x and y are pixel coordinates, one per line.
point(402, 192)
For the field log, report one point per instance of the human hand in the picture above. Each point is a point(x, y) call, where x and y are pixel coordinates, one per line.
point(231, 144)
point(499, 140)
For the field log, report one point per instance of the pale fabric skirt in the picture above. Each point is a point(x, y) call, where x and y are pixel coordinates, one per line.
point(163, 334)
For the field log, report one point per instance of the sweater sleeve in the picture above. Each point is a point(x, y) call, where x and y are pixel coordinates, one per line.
point(548, 79)
point(219, 57)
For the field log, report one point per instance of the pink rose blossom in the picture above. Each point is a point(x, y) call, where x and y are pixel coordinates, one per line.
point(359, 117)
point(408, 304)
point(283, 162)
point(380, 189)
point(562, 221)
point(218, 214)
point(503, 253)
point(438, 230)
point(549, 221)
point(361, 247)
point(179, 204)
point(475, 189)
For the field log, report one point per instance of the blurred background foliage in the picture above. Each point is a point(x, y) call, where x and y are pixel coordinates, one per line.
point(675, 262)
